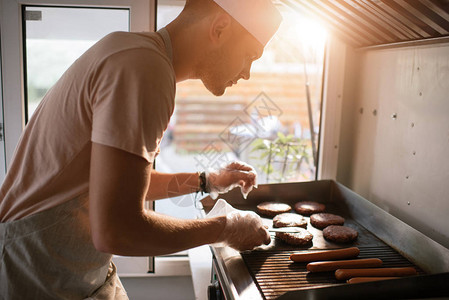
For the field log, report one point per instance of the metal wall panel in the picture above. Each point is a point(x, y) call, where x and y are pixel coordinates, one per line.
point(394, 147)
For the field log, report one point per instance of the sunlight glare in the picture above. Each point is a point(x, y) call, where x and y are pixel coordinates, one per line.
point(309, 32)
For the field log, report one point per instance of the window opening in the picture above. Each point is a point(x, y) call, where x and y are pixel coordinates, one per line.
point(55, 36)
point(271, 121)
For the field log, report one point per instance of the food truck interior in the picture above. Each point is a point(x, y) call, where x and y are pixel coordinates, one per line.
point(358, 90)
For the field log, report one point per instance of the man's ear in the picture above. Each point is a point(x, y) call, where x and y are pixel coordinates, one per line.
point(220, 28)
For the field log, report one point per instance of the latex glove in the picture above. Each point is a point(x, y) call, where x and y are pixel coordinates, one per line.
point(228, 177)
point(244, 230)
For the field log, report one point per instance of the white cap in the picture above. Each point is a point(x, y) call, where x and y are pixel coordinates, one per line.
point(260, 17)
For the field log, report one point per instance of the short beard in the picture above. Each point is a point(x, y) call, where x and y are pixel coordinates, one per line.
point(209, 77)
point(215, 90)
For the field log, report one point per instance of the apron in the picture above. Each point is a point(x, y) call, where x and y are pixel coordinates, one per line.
point(50, 255)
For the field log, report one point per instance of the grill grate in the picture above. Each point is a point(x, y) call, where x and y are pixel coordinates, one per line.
point(275, 274)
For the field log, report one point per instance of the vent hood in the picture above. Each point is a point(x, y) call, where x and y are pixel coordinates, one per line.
point(365, 23)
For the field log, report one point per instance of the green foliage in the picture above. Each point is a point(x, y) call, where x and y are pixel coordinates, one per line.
point(281, 158)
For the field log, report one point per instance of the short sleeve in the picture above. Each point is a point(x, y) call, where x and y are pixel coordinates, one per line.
point(132, 101)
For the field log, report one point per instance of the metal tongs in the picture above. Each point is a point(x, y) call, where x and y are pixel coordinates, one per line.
point(286, 229)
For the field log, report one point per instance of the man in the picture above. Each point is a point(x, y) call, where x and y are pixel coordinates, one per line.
point(76, 188)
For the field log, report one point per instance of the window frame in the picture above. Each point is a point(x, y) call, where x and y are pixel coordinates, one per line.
point(2, 134)
point(331, 110)
point(142, 18)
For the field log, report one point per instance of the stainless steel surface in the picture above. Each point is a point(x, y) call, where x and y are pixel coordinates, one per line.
point(371, 222)
point(429, 255)
point(362, 23)
point(394, 162)
point(234, 276)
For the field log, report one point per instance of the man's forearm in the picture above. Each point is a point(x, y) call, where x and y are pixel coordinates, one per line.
point(157, 234)
point(119, 224)
point(164, 185)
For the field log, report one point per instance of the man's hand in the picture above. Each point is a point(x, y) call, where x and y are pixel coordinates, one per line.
point(244, 230)
point(233, 175)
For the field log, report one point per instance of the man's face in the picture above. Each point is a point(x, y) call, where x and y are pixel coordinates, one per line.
point(231, 62)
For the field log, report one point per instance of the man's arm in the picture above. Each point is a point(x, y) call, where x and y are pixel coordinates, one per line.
point(119, 182)
point(235, 174)
point(164, 185)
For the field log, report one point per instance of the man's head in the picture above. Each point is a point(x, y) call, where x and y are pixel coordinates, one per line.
point(259, 17)
point(233, 35)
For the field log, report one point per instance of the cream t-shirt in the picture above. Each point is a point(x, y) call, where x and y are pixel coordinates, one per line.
point(120, 93)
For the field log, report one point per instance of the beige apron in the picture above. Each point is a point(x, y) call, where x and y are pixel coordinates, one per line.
point(50, 255)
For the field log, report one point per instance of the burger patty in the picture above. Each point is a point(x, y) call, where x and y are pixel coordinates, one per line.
point(322, 220)
point(307, 208)
point(301, 238)
point(289, 220)
point(340, 234)
point(272, 209)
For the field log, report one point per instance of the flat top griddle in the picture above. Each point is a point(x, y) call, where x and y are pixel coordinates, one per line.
point(275, 274)
point(267, 272)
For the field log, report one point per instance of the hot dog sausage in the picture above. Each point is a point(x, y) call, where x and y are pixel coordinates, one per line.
point(343, 274)
point(326, 266)
point(368, 279)
point(325, 255)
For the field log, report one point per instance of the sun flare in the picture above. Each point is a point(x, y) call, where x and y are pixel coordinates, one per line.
point(309, 32)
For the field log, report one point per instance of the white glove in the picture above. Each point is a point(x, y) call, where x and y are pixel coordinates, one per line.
point(244, 230)
point(226, 178)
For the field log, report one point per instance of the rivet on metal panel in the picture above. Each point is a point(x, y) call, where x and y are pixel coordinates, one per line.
point(407, 177)
point(420, 93)
point(375, 112)
point(335, 146)
point(394, 116)
point(414, 152)
point(361, 110)
point(408, 203)
point(417, 68)
point(412, 124)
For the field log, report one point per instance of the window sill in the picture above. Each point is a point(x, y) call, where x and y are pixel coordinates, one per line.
point(163, 266)
point(201, 267)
